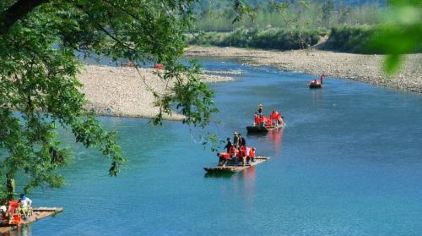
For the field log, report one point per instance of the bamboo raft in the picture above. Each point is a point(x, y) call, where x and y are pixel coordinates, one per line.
point(262, 129)
point(235, 167)
point(38, 214)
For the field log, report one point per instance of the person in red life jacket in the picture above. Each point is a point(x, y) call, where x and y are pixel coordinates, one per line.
point(242, 155)
point(267, 121)
point(251, 155)
point(239, 155)
point(260, 120)
point(274, 117)
point(256, 119)
point(242, 140)
point(223, 158)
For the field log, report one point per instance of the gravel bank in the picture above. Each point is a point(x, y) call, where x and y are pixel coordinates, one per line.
point(122, 91)
point(367, 68)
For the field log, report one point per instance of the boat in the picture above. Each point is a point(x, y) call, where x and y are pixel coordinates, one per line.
point(235, 167)
point(37, 214)
point(316, 83)
point(262, 129)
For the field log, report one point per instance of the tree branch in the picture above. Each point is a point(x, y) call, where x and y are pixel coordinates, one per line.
point(17, 11)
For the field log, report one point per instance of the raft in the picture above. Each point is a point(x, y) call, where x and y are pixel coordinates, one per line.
point(232, 168)
point(38, 214)
point(314, 85)
point(262, 129)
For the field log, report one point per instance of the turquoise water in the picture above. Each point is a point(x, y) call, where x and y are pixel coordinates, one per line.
point(348, 163)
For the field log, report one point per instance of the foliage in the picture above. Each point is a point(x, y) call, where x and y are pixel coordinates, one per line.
point(38, 68)
point(290, 15)
point(401, 32)
point(353, 39)
point(271, 38)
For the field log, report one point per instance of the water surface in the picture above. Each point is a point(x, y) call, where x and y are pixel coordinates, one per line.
point(348, 163)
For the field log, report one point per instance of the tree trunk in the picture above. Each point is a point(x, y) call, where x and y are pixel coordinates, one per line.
point(10, 185)
point(17, 11)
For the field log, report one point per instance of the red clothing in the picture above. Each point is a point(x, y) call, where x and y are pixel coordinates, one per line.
point(257, 120)
point(274, 115)
point(251, 153)
point(233, 151)
point(243, 151)
point(225, 155)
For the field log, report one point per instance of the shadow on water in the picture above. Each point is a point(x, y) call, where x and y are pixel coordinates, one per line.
point(249, 173)
point(221, 174)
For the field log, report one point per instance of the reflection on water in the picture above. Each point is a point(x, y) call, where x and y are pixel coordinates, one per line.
point(23, 230)
point(275, 137)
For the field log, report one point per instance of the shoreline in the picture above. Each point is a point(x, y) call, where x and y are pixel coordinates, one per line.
point(365, 68)
point(123, 92)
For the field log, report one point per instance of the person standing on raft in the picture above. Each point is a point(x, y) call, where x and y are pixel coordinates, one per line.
point(260, 109)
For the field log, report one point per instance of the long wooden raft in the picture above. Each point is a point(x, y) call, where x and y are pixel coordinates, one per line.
point(236, 167)
point(38, 214)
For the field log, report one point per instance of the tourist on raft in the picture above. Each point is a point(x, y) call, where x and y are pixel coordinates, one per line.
point(242, 140)
point(260, 109)
point(3, 214)
point(242, 155)
point(276, 118)
point(25, 206)
point(236, 139)
point(251, 155)
point(228, 145)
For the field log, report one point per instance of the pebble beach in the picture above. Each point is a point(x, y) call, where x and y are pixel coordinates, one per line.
point(126, 92)
point(123, 91)
point(366, 68)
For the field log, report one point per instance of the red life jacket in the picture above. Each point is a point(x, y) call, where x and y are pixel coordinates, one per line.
point(257, 120)
point(233, 150)
point(251, 153)
point(243, 151)
point(225, 155)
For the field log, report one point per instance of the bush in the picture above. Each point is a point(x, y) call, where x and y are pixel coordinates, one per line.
point(272, 38)
point(355, 39)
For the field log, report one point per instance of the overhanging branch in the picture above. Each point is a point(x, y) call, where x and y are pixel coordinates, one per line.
point(17, 11)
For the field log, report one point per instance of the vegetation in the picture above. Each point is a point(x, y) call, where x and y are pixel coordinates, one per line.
point(289, 25)
point(271, 38)
point(39, 90)
point(353, 39)
point(400, 33)
point(218, 16)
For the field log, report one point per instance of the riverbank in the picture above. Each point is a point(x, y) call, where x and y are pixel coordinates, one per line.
point(366, 68)
point(122, 91)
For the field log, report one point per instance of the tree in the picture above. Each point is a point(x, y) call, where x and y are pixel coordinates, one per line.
point(327, 9)
point(39, 90)
point(401, 32)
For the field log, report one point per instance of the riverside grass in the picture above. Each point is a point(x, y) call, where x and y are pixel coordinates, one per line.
point(344, 39)
point(288, 26)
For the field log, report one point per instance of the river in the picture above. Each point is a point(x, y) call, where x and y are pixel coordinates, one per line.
point(348, 163)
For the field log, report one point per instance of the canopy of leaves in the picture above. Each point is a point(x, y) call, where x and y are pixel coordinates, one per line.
point(38, 68)
point(400, 33)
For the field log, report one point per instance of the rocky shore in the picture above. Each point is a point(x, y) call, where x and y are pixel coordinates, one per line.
point(367, 68)
point(122, 91)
